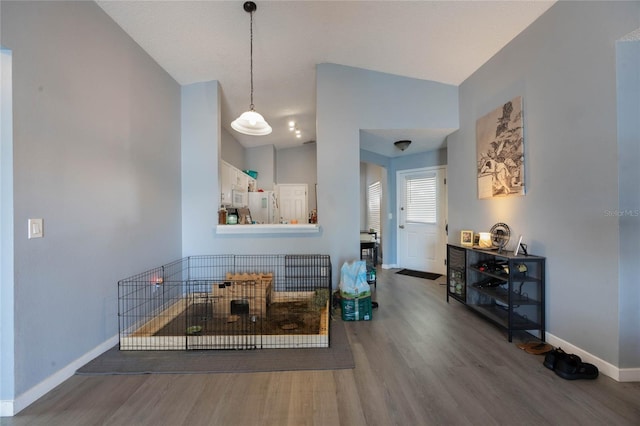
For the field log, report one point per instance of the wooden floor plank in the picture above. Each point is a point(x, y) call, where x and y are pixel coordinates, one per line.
point(420, 361)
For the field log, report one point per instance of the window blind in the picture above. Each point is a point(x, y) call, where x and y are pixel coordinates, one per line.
point(421, 199)
point(374, 194)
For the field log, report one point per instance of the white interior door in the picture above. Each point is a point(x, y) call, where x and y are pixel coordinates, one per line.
point(421, 214)
point(294, 202)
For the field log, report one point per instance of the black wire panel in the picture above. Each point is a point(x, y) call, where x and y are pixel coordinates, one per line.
point(227, 302)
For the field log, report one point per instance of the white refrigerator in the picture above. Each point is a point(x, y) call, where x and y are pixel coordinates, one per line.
point(263, 207)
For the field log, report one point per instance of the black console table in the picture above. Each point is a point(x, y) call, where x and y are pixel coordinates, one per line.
point(505, 288)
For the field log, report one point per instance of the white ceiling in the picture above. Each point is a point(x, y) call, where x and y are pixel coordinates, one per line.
point(443, 41)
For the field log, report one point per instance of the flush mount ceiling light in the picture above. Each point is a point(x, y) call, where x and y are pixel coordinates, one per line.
point(402, 145)
point(250, 122)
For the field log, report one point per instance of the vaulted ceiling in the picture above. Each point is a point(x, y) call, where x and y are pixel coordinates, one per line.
point(194, 41)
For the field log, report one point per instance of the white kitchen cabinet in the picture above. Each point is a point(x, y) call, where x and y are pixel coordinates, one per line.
point(227, 182)
point(232, 180)
point(242, 181)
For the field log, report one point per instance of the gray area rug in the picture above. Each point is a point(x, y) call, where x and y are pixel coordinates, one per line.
point(337, 356)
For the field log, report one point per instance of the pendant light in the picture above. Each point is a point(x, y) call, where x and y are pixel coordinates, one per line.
point(250, 122)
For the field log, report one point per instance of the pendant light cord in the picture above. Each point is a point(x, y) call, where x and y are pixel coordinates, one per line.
point(251, 60)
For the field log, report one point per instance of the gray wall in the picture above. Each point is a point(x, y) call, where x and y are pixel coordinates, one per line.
point(298, 165)
point(6, 229)
point(564, 66)
point(231, 150)
point(200, 154)
point(263, 160)
point(97, 155)
point(201, 150)
point(367, 100)
point(628, 66)
point(289, 165)
point(360, 93)
point(393, 165)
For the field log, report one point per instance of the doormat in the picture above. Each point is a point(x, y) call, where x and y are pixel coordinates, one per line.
point(337, 356)
point(419, 274)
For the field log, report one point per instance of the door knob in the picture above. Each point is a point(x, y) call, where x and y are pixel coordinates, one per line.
point(401, 226)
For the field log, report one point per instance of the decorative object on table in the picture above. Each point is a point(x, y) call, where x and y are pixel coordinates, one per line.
point(250, 122)
point(466, 238)
point(500, 235)
point(485, 240)
point(251, 173)
point(244, 216)
point(518, 249)
point(500, 151)
point(232, 217)
point(222, 216)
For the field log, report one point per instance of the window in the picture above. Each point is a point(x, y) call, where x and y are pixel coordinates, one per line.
point(374, 193)
point(421, 199)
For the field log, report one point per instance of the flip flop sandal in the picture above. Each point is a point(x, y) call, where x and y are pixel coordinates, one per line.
point(539, 349)
point(535, 348)
point(571, 369)
point(524, 346)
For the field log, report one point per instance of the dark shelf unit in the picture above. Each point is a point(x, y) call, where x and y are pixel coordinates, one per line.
point(369, 253)
point(508, 290)
point(456, 273)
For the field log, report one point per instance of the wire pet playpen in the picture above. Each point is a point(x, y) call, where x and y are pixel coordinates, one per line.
point(227, 302)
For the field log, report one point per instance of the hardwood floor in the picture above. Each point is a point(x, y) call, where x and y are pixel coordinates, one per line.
point(420, 361)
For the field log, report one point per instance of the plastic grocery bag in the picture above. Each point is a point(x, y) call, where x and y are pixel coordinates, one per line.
point(353, 280)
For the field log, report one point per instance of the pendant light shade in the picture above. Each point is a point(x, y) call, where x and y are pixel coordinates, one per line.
point(250, 122)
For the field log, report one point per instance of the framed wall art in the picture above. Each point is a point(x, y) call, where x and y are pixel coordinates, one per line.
point(500, 151)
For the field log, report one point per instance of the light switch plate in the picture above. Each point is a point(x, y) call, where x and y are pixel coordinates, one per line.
point(35, 228)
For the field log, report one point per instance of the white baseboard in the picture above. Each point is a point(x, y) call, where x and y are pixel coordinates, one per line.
point(388, 266)
point(6, 408)
point(629, 375)
point(604, 367)
point(11, 408)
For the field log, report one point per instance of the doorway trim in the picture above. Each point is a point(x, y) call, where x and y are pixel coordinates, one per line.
point(442, 212)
